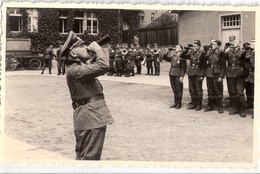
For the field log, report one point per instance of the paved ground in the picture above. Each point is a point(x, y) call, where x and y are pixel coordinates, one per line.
point(28, 152)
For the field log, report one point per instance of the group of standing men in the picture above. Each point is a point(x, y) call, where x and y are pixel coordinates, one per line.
point(123, 60)
point(48, 56)
point(234, 63)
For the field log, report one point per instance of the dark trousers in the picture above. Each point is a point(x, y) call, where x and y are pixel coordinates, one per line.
point(119, 67)
point(195, 89)
point(177, 87)
point(249, 94)
point(236, 87)
point(156, 67)
point(45, 63)
point(215, 91)
point(149, 66)
point(138, 66)
point(61, 66)
point(89, 143)
point(111, 67)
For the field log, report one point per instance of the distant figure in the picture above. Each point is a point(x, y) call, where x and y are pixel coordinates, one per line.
point(47, 58)
point(60, 61)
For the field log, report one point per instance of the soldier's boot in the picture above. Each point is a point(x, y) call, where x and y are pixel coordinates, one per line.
point(155, 71)
point(178, 103)
point(194, 105)
point(127, 73)
point(133, 72)
point(175, 103)
point(235, 107)
point(210, 106)
point(151, 71)
point(158, 71)
point(249, 103)
point(49, 71)
point(242, 109)
point(220, 107)
point(148, 71)
point(199, 104)
point(63, 71)
point(59, 71)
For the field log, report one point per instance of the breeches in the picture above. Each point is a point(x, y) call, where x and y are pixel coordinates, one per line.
point(47, 62)
point(177, 86)
point(236, 87)
point(89, 143)
point(195, 87)
point(215, 88)
point(119, 66)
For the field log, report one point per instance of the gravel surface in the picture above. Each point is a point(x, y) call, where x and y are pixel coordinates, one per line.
point(38, 111)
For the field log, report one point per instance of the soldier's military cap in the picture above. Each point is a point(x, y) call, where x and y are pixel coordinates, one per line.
point(218, 42)
point(197, 42)
point(72, 41)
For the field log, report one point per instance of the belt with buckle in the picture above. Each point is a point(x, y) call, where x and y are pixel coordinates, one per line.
point(88, 100)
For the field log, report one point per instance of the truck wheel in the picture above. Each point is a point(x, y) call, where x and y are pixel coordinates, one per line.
point(34, 64)
point(11, 63)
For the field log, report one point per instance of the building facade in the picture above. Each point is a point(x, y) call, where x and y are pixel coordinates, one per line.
point(45, 26)
point(222, 25)
point(148, 16)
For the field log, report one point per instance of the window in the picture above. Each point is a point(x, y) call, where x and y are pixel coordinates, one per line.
point(232, 21)
point(63, 22)
point(152, 16)
point(92, 23)
point(142, 16)
point(78, 22)
point(15, 18)
point(32, 20)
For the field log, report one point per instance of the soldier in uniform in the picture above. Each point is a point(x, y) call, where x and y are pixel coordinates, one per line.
point(249, 74)
point(127, 56)
point(149, 60)
point(139, 59)
point(119, 63)
point(91, 114)
point(157, 58)
point(47, 58)
point(215, 74)
point(60, 61)
point(236, 78)
point(196, 73)
point(177, 72)
point(111, 60)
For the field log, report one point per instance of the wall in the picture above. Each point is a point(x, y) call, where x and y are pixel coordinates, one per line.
point(205, 25)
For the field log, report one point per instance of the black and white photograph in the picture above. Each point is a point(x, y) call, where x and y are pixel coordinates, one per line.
point(93, 84)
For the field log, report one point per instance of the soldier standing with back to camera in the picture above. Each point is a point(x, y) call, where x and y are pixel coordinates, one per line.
point(91, 114)
point(215, 71)
point(60, 61)
point(196, 73)
point(47, 58)
point(177, 72)
point(236, 77)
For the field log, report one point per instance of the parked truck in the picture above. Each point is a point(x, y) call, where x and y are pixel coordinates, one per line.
point(20, 53)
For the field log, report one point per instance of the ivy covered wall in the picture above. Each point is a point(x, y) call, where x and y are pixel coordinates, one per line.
point(109, 22)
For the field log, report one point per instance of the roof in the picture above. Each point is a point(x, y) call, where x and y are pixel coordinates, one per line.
point(165, 20)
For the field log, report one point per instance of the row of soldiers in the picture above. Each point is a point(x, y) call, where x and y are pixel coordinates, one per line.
point(123, 60)
point(233, 62)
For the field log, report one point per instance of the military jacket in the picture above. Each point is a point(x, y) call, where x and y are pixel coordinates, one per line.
point(178, 65)
point(250, 66)
point(111, 55)
point(197, 65)
point(157, 56)
point(148, 54)
point(48, 53)
point(216, 64)
point(118, 56)
point(235, 64)
point(139, 55)
point(82, 83)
